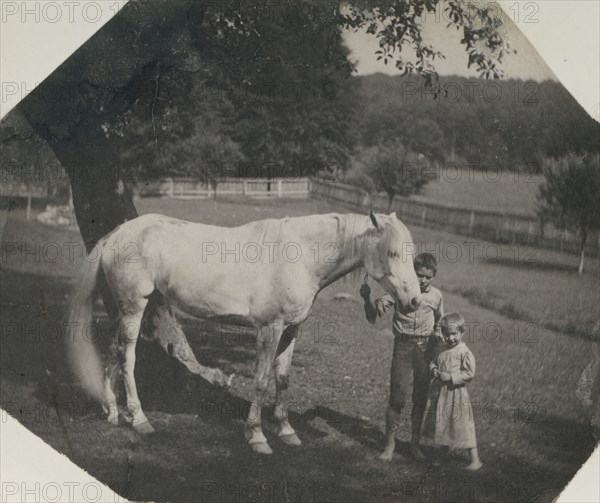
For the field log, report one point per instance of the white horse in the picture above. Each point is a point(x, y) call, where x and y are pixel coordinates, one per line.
point(264, 274)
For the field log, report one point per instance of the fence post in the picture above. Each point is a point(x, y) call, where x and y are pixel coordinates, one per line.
point(424, 216)
point(365, 202)
point(279, 188)
point(508, 233)
point(29, 204)
point(244, 187)
point(471, 223)
point(171, 191)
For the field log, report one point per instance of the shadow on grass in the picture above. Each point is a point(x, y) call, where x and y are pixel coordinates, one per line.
point(511, 477)
point(353, 427)
point(489, 300)
point(533, 264)
point(33, 351)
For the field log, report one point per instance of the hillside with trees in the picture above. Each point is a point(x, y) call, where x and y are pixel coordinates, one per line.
point(506, 124)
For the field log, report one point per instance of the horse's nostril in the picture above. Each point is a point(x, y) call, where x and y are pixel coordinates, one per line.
point(415, 302)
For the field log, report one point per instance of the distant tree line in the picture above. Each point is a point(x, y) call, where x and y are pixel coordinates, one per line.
point(292, 120)
point(507, 124)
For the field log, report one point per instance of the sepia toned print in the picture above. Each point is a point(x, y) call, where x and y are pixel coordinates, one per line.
point(231, 176)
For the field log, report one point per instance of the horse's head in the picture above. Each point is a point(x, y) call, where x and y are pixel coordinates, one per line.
point(389, 260)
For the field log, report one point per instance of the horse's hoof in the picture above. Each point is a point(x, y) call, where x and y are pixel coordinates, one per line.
point(114, 420)
point(291, 439)
point(144, 428)
point(261, 448)
point(221, 379)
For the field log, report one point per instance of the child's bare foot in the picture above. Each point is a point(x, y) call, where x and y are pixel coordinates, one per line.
point(387, 454)
point(416, 452)
point(474, 466)
point(475, 461)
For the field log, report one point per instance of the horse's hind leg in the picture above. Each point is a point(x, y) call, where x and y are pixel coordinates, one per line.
point(129, 330)
point(111, 371)
point(266, 346)
point(283, 362)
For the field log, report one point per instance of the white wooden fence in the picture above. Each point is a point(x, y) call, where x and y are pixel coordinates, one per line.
point(189, 188)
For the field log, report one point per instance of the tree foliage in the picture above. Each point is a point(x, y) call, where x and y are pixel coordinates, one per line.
point(569, 195)
point(505, 124)
point(397, 24)
point(392, 168)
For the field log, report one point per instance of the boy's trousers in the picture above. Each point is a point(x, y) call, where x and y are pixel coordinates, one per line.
point(410, 363)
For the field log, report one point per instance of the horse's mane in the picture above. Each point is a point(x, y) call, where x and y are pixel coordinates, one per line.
point(356, 232)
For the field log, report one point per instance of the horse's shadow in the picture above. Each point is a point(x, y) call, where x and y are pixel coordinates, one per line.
point(167, 385)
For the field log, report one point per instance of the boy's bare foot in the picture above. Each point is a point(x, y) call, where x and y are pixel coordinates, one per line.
point(387, 454)
point(474, 466)
point(416, 452)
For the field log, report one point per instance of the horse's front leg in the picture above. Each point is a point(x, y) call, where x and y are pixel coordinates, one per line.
point(283, 362)
point(266, 346)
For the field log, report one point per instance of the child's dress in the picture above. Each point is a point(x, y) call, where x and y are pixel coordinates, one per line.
point(448, 416)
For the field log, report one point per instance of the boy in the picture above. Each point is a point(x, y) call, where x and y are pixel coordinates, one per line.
point(415, 336)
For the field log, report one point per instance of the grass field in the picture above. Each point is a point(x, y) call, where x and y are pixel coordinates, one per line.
point(532, 431)
point(489, 190)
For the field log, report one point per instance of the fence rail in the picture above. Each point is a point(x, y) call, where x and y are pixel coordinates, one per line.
point(499, 227)
point(189, 188)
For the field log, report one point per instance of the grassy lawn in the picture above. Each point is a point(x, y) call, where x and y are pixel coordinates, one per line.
point(491, 190)
point(532, 431)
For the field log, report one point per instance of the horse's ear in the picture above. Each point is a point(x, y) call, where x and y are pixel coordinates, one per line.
point(374, 220)
point(393, 215)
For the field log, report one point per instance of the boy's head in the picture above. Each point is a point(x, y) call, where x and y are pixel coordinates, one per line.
point(425, 267)
point(453, 328)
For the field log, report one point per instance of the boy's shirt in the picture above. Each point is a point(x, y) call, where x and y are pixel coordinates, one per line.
point(420, 323)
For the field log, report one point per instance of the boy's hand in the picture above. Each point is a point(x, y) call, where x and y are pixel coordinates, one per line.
point(365, 291)
point(445, 376)
point(435, 372)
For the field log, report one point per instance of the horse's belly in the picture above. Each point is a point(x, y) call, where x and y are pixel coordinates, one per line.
point(208, 303)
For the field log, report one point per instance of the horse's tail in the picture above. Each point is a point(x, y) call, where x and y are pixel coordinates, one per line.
point(82, 353)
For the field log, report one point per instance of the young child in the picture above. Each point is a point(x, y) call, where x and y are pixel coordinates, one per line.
point(449, 416)
point(414, 343)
